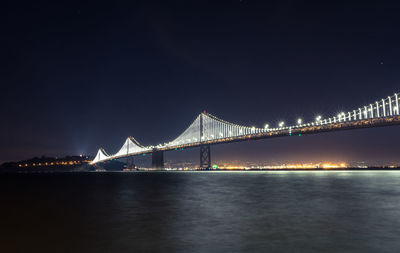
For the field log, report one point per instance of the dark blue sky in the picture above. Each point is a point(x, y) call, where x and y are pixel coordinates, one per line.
point(76, 76)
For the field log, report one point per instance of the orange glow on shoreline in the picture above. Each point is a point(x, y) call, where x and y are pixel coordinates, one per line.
point(333, 165)
point(297, 166)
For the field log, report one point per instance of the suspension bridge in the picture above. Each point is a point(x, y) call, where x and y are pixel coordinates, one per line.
point(207, 130)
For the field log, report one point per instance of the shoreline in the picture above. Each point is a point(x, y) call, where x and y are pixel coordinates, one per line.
point(183, 171)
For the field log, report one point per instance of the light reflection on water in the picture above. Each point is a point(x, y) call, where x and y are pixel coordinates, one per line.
point(252, 211)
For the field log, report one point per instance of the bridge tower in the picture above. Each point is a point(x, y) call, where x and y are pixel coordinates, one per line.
point(205, 153)
point(157, 160)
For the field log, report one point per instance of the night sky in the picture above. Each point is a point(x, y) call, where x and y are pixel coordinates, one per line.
point(78, 76)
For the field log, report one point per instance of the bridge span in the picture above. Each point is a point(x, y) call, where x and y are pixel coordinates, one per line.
point(207, 130)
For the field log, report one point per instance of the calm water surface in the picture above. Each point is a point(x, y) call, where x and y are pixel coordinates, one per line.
point(201, 212)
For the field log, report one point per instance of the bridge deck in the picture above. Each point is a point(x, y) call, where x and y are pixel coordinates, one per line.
point(313, 129)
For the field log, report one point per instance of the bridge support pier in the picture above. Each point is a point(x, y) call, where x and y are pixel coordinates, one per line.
point(157, 160)
point(131, 163)
point(205, 157)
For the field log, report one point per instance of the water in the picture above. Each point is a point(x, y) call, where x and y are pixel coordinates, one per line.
point(201, 212)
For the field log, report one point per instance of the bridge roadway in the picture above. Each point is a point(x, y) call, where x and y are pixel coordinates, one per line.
point(290, 131)
point(207, 130)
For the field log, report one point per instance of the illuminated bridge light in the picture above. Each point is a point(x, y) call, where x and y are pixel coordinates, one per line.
point(299, 121)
